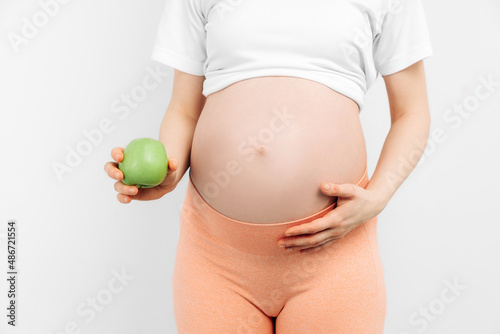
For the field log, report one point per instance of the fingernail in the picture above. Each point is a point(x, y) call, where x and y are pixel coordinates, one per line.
point(131, 190)
point(327, 187)
point(117, 175)
point(117, 156)
point(289, 250)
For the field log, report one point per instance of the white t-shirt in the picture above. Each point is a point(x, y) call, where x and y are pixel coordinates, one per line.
point(343, 44)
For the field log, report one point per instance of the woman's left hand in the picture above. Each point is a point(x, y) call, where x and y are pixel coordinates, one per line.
point(355, 205)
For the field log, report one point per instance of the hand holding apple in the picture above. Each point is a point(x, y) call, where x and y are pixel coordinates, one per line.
point(126, 193)
point(145, 163)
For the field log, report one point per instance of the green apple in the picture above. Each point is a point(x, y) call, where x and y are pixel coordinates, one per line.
point(144, 164)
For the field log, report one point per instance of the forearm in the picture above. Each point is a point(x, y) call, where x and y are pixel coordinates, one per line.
point(176, 134)
point(403, 148)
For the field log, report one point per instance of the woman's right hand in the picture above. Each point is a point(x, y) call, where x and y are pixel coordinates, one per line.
point(127, 193)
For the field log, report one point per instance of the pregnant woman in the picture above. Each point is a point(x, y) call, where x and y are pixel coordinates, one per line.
point(278, 229)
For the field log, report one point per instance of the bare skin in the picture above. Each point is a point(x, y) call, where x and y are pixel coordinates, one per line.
point(263, 146)
point(405, 142)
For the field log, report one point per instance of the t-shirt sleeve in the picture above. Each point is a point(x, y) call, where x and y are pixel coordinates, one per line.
point(403, 38)
point(181, 37)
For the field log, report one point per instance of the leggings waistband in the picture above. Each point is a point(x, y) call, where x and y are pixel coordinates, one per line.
point(249, 237)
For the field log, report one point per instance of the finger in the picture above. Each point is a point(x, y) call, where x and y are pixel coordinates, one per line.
point(147, 194)
point(327, 242)
point(128, 198)
point(315, 249)
point(331, 219)
point(124, 189)
point(173, 164)
point(123, 198)
point(112, 170)
point(308, 241)
point(339, 190)
point(117, 154)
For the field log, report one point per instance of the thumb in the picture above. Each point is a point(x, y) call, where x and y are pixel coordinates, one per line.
point(173, 164)
point(339, 190)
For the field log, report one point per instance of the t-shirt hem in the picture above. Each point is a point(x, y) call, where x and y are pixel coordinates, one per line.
point(178, 62)
point(404, 61)
point(342, 86)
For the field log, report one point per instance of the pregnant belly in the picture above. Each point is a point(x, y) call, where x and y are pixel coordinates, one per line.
point(263, 146)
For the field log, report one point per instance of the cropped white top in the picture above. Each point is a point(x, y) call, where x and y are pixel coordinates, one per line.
point(343, 44)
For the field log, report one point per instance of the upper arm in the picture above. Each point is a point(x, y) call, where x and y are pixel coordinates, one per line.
point(187, 97)
point(401, 43)
point(180, 44)
point(407, 92)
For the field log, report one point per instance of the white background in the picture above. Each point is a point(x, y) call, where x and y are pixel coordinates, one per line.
point(442, 224)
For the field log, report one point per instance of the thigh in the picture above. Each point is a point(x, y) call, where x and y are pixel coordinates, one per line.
point(344, 292)
point(202, 308)
point(206, 300)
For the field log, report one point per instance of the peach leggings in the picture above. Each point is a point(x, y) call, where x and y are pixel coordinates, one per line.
point(230, 277)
